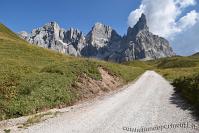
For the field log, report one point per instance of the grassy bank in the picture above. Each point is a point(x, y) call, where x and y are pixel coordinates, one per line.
point(188, 87)
point(33, 79)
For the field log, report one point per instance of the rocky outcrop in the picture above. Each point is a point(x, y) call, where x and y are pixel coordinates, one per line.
point(53, 37)
point(142, 44)
point(196, 54)
point(102, 42)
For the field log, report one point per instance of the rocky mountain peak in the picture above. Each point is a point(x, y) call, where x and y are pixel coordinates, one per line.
point(52, 24)
point(74, 33)
point(99, 26)
point(142, 44)
point(100, 35)
point(102, 42)
point(23, 34)
point(140, 26)
point(142, 23)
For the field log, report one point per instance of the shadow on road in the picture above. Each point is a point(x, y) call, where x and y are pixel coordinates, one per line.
point(183, 104)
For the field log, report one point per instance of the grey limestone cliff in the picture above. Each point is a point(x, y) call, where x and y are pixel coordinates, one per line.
point(102, 42)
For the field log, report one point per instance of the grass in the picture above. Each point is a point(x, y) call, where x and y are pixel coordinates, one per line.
point(174, 73)
point(172, 67)
point(176, 67)
point(7, 130)
point(33, 79)
point(142, 64)
point(36, 119)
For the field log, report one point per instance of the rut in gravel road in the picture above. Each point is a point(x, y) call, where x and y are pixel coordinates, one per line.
point(148, 104)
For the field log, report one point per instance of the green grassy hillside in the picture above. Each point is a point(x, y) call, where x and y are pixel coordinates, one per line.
point(33, 79)
point(171, 67)
point(176, 67)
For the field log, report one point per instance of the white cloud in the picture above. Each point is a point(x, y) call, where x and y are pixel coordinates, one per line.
point(185, 3)
point(187, 42)
point(189, 20)
point(135, 15)
point(162, 16)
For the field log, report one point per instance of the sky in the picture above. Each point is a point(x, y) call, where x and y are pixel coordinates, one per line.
point(82, 14)
point(176, 20)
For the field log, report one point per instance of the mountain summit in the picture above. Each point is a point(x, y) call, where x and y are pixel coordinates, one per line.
point(102, 42)
point(142, 44)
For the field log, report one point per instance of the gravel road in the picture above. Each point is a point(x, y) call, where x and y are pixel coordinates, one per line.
point(148, 104)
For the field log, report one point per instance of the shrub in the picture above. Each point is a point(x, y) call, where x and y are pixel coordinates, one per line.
point(188, 87)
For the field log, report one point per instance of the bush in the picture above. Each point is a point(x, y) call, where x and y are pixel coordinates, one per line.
point(188, 87)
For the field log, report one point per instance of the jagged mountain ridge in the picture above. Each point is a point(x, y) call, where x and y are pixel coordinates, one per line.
point(102, 42)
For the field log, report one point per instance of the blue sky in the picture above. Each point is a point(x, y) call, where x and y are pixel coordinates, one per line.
point(82, 14)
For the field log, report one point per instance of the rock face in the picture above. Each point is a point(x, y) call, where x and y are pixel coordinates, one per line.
point(102, 42)
point(142, 44)
point(196, 54)
point(53, 37)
